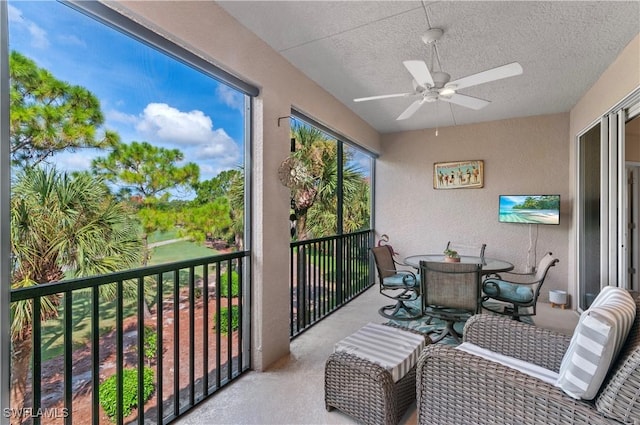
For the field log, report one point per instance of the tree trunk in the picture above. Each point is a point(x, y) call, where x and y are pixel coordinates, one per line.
point(301, 227)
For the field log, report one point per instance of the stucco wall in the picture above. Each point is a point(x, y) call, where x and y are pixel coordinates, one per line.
point(521, 156)
point(206, 29)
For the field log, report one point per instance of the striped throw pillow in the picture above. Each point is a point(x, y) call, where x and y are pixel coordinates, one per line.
point(596, 342)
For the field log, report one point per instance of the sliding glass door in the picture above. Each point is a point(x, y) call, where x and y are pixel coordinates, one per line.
point(589, 248)
point(607, 202)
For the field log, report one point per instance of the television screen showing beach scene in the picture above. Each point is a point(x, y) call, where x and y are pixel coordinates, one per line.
point(529, 209)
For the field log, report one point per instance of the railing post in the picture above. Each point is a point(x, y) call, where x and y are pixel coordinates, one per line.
point(338, 255)
point(301, 288)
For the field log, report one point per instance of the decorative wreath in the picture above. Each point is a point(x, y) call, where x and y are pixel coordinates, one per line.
point(293, 173)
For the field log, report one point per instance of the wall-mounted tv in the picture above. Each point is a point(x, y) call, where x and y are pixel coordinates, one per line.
point(529, 209)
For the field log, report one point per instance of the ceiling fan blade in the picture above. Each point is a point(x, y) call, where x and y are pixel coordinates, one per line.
point(504, 71)
point(383, 96)
point(411, 109)
point(466, 101)
point(420, 72)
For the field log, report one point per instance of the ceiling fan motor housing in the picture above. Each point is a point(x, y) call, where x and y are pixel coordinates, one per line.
point(440, 79)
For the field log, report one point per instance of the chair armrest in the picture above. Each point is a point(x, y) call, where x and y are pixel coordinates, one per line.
point(400, 263)
point(515, 277)
point(526, 342)
point(459, 388)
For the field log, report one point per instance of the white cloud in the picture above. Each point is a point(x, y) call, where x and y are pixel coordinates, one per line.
point(232, 98)
point(213, 149)
point(38, 35)
point(162, 122)
point(220, 148)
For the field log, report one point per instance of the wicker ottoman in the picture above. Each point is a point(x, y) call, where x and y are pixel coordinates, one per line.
point(366, 390)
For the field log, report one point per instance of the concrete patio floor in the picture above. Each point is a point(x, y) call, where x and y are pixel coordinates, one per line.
point(292, 391)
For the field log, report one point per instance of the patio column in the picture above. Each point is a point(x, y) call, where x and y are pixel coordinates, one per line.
point(270, 232)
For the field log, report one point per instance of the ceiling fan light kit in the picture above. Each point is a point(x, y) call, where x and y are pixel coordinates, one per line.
point(431, 85)
point(448, 90)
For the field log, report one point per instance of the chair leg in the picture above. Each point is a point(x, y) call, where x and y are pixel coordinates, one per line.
point(412, 313)
point(448, 330)
point(516, 314)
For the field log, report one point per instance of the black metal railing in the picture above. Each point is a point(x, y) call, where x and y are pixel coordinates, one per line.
point(184, 321)
point(326, 273)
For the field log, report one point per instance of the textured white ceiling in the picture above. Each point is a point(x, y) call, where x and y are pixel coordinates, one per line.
point(356, 48)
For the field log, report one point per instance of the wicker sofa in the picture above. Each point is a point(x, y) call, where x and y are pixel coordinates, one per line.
point(454, 387)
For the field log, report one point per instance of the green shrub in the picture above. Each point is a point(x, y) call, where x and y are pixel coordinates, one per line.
point(150, 342)
point(108, 392)
point(224, 319)
point(224, 284)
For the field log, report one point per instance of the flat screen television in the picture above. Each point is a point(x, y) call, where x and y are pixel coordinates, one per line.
point(529, 209)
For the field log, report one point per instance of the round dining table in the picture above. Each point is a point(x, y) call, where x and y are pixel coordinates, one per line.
point(489, 265)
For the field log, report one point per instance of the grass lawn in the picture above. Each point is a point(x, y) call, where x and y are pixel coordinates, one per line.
point(179, 251)
point(53, 329)
point(163, 236)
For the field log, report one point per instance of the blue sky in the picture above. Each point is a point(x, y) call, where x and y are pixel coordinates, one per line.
point(144, 95)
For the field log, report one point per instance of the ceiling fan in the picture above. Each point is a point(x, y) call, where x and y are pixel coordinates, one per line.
point(430, 86)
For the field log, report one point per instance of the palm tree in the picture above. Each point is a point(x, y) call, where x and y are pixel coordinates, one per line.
point(322, 218)
point(307, 162)
point(315, 193)
point(236, 202)
point(61, 226)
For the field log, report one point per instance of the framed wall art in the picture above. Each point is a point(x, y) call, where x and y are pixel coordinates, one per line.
point(458, 175)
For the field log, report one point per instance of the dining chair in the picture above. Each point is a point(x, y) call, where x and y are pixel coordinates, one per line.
point(400, 285)
point(450, 293)
point(476, 250)
point(519, 291)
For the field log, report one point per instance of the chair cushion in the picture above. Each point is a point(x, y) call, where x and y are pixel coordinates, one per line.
point(402, 279)
point(394, 349)
point(509, 291)
point(546, 375)
point(596, 342)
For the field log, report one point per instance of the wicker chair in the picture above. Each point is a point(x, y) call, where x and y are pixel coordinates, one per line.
point(399, 285)
point(454, 387)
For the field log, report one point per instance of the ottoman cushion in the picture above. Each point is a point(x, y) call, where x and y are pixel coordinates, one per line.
point(394, 349)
